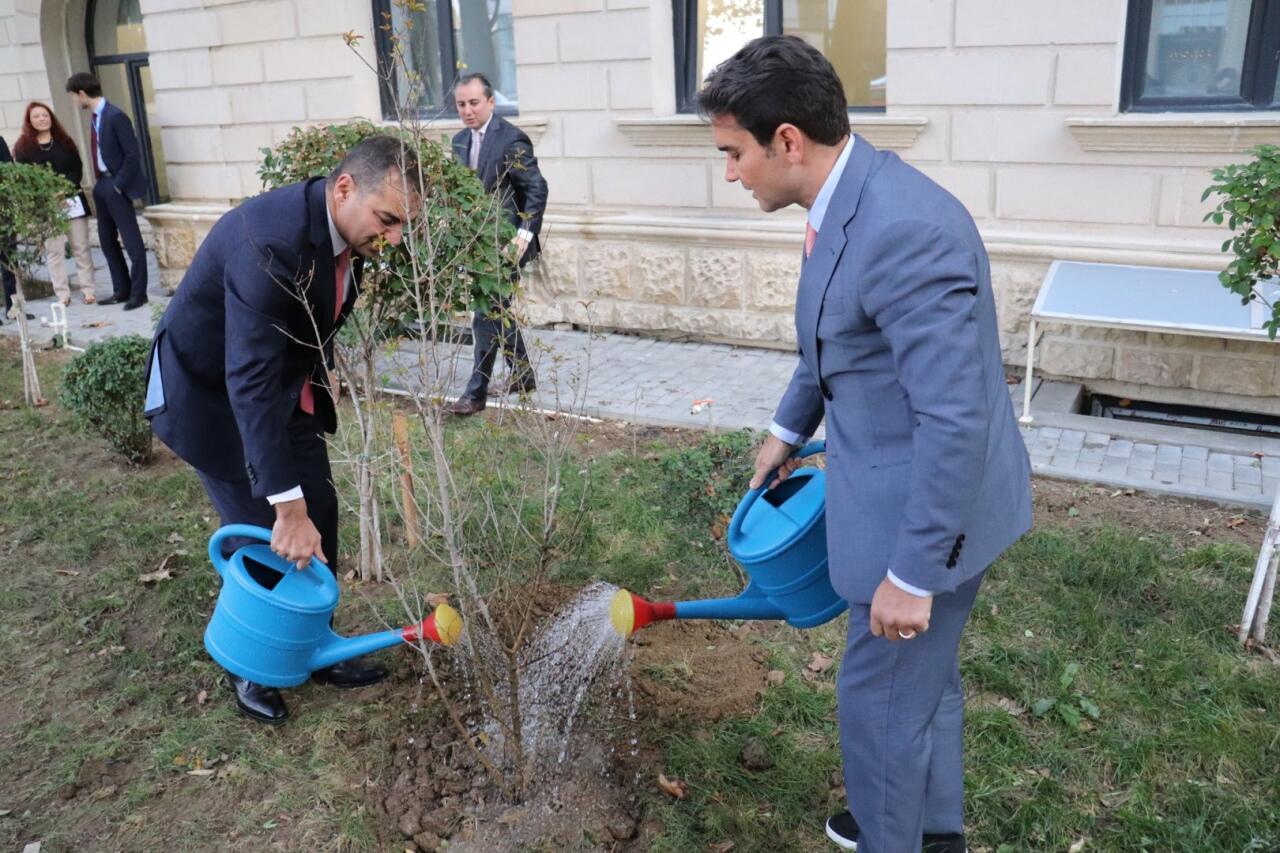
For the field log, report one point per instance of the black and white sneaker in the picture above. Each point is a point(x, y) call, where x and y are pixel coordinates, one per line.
point(843, 830)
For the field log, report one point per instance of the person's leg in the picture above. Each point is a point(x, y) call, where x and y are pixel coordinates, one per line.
point(131, 235)
point(944, 792)
point(108, 237)
point(10, 283)
point(889, 697)
point(514, 351)
point(82, 252)
point(55, 259)
point(486, 331)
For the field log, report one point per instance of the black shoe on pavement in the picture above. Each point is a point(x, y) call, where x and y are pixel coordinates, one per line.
point(131, 304)
point(843, 830)
point(350, 673)
point(257, 702)
point(111, 300)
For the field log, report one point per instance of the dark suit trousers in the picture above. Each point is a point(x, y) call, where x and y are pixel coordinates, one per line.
point(236, 504)
point(118, 222)
point(491, 331)
point(10, 283)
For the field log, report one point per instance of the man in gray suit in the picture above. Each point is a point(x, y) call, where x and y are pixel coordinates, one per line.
point(928, 480)
point(502, 156)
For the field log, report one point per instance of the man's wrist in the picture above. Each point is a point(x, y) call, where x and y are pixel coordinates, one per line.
point(293, 494)
point(910, 589)
point(786, 436)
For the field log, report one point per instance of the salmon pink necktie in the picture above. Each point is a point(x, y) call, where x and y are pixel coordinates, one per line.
point(342, 263)
point(810, 236)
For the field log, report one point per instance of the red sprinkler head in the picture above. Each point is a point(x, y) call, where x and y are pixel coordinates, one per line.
point(629, 612)
point(444, 626)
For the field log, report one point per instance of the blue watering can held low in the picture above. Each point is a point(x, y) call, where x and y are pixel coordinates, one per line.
point(278, 635)
point(779, 537)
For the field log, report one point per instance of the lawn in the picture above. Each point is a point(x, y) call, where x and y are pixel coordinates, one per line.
point(1109, 708)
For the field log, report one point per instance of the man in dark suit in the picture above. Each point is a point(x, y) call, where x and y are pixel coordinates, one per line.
point(502, 156)
point(928, 480)
point(238, 383)
point(6, 275)
point(116, 161)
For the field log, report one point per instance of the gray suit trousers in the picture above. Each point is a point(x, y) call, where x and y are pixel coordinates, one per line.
point(901, 718)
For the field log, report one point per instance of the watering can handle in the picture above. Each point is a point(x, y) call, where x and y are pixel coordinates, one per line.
point(739, 515)
point(248, 531)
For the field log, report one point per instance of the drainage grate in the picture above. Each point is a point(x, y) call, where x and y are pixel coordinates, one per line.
point(1199, 417)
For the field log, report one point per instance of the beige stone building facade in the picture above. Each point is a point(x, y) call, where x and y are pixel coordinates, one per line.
point(1078, 131)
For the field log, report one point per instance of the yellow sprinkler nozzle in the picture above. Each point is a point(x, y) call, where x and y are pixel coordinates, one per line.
point(622, 613)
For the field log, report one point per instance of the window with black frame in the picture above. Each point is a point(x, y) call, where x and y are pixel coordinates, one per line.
point(1202, 55)
point(425, 45)
point(851, 33)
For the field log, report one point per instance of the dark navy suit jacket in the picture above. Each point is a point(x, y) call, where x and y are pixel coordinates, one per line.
point(251, 322)
point(508, 167)
point(120, 151)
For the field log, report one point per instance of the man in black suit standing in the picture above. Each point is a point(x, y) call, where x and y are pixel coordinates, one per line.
point(6, 274)
point(116, 161)
point(238, 382)
point(502, 156)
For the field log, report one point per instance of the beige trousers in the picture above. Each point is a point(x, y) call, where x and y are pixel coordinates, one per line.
point(55, 259)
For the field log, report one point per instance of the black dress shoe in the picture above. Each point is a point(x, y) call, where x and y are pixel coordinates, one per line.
point(843, 830)
point(131, 304)
point(350, 673)
point(465, 407)
point(257, 702)
point(111, 300)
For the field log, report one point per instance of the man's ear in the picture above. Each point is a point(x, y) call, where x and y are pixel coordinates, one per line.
point(344, 187)
point(791, 142)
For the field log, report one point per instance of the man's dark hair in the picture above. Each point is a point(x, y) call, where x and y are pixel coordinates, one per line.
point(370, 160)
point(83, 81)
point(776, 80)
point(475, 75)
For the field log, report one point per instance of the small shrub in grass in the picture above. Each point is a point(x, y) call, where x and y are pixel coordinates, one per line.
point(105, 387)
point(710, 478)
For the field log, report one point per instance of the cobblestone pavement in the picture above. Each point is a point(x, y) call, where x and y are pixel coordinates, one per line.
point(715, 386)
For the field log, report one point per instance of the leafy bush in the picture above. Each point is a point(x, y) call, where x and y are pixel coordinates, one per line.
point(31, 213)
point(105, 387)
point(1251, 208)
point(710, 478)
point(457, 245)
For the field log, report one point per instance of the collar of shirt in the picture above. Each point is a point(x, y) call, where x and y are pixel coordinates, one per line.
point(819, 210)
point(97, 111)
point(483, 130)
point(339, 245)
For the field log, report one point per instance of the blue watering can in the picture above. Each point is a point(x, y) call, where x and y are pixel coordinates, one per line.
point(278, 636)
point(779, 537)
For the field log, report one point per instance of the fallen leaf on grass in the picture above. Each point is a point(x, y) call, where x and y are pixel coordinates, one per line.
point(157, 575)
point(819, 663)
point(202, 697)
point(1235, 522)
point(70, 573)
point(672, 787)
point(203, 771)
point(1115, 799)
point(174, 538)
point(721, 847)
point(349, 575)
point(1076, 847)
point(435, 599)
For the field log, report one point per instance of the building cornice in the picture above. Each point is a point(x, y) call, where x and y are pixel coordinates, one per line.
point(1175, 133)
point(896, 133)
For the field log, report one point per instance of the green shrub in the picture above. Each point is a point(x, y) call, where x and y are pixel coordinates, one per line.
point(31, 212)
point(710, 478)
point(1251, 208)
point(105, 387)
point(456, 247)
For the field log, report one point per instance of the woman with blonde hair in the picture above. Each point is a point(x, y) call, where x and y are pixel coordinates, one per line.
point(44, 142)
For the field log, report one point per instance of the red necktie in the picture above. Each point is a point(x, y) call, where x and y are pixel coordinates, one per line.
point(93, 144)
point(810, 237)
point(342, 263)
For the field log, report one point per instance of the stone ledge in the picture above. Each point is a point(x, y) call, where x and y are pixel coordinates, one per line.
point(1175, 133)
point(896, 133)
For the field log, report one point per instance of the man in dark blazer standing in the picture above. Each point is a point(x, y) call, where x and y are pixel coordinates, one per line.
point(238, 383)
point(116, 161)
point(10, 283)
point(502, 156)
point(928, 480)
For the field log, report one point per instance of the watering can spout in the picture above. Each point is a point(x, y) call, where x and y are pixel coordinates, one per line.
point(444, 626)
point(629, 612)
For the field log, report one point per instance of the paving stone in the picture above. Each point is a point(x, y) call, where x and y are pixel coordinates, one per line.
point(1248, 475)
point(1220, 462)
point(1192, 451)
point(1071, 440)
point(1065, 458)
point(1114, 466)
point(1096, 439)
point(1120, 447)
point(1169, 454)
point(1271, 466)
point(1050, 432)
point(1220, 481)
point(1166, 473)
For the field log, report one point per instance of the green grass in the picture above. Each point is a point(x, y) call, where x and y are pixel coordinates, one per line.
point(96, 666)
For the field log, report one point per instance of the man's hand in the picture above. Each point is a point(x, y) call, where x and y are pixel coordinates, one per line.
point(517, 247)
point(897, 614)
point(774, 453)
point(293, 536)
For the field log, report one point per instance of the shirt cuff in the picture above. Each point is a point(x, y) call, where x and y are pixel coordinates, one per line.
point(781, 433)
point(906, 587)
point(525, 234)
point(292, 495)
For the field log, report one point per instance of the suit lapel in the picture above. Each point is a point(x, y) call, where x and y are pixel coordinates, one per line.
point(817, 271)
point(322, 284)
point(490, 149)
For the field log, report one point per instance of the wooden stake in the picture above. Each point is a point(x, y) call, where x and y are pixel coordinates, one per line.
point(400, 425)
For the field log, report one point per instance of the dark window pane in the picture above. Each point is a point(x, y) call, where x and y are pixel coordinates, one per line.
point(1195, 48)
point(417, 70)
point(484, 42)
point(723, 27)
point(851, 33)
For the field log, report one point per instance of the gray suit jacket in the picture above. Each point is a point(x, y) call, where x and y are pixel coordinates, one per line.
point(927, 473)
